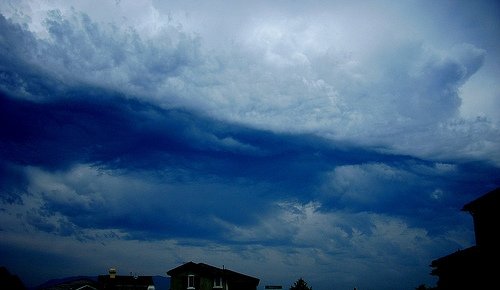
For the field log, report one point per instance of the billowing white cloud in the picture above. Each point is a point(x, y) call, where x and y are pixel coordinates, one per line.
point(284, 71)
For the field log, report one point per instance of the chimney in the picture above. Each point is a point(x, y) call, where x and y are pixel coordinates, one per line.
point(112, 273)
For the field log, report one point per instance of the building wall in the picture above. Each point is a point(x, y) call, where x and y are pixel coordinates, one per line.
point(475, 267)
point(176, 283)
point(201, 283)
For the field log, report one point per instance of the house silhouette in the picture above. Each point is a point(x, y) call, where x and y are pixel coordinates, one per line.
point(476, 267)
point(200, 276)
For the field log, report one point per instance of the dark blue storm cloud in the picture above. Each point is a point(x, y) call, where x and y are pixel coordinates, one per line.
point(103, 129)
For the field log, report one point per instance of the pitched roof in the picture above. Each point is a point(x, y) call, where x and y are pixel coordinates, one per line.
point(458, 256)
point(211, 271)
point(490, 199)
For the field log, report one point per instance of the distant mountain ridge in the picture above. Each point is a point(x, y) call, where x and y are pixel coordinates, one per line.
point(161, 282)
point(57, 281)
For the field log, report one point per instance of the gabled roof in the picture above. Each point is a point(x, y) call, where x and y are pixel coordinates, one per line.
point(458, 256)
point(211, 271)
point(490, 199)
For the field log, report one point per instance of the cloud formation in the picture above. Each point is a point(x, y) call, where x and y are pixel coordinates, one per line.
point(325, 141)
point(284, 75)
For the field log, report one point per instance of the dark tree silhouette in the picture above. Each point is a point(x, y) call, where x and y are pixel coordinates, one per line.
point(10, 281)
point(300, 285)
